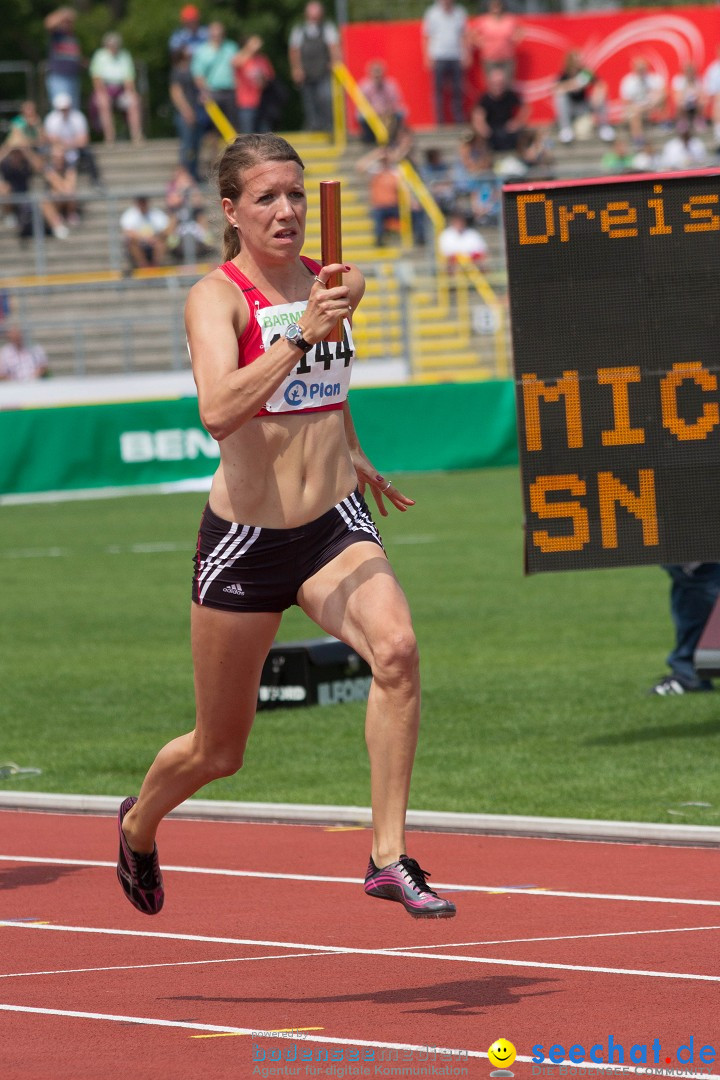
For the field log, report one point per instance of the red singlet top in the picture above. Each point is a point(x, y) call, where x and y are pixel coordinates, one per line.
point(321, 380)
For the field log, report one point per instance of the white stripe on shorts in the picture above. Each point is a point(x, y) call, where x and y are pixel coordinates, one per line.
point(356, 517)
point(220, 560)
point(209, 563)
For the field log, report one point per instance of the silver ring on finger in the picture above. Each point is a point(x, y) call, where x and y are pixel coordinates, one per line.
point(388, 485)
point(320, 281)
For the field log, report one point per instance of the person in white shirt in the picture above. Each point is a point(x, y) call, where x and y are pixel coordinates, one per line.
point(20, 361)
point(145, 230)
point(684, 150)
point(643, 92)
point(68, 127)
point(445, 44)
point(461, 239)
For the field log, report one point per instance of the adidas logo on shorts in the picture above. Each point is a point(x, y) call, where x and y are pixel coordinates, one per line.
point(234, 590)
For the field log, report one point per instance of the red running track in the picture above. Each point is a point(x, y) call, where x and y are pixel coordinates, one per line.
point(555, 942)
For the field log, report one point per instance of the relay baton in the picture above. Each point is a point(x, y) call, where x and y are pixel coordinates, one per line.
point(331, 239)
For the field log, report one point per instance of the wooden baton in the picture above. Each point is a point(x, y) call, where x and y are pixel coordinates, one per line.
point(331, 239)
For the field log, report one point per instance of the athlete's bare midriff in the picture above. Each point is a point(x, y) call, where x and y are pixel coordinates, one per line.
point(283, 471)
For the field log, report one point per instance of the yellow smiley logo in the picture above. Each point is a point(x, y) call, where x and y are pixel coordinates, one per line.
point(502, 1053)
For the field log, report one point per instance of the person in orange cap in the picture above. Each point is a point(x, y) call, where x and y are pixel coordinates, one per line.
point(190, 33)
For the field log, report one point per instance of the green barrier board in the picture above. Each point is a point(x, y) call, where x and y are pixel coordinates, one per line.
point(403, 428)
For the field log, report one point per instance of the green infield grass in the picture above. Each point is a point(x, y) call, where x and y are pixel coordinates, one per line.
point(535, 689)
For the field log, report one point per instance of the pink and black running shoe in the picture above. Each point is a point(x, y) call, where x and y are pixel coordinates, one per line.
point(139, 875)
point(405, 882)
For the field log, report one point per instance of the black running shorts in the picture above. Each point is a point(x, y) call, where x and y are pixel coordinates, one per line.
point(248, 568)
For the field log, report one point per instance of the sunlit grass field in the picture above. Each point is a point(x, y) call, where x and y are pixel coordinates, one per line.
point(535, 689)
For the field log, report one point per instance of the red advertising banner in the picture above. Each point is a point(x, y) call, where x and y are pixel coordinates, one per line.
point(668, 38)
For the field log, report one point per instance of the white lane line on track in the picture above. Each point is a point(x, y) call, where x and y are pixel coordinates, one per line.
point(143, 967)
point(258, 1032)
point(454, 887)
point(323, 1039)
point(559, 937)
point(491, 961)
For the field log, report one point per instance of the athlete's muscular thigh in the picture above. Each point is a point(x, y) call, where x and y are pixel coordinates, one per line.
point(357, 598)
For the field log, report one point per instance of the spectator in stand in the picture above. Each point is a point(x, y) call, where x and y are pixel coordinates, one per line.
point(385, 181)
point(313, 48)
point(69, 127)
point(253, 73)
point(711, 88)
point(191, 120)
point(61, 183)
point(684, 150)
point(436, 174)
point(213, 71)
point(645, 157)
point(386, 98)
point(460, 239)
point(474, 161)
point(29, 122)
point(145, 230)
point(475, 177)
point(113, 77)
point(65, 63)
point(190, 236)
point(689, 98)
point(19, 361)
point(18, 165)
point(496, 36)
point(485, 200)
point(182, 191)
point(644, 94)
point(500, 114)
point(580, 93)
point(618, 158)
point(446, 50)
point(401, 141)
point(190, 33)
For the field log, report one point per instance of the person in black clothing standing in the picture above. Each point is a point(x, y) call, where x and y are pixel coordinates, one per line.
point(500, 114)
point(314, 47)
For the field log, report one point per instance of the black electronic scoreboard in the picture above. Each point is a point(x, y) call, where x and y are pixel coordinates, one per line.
point(615, 312)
